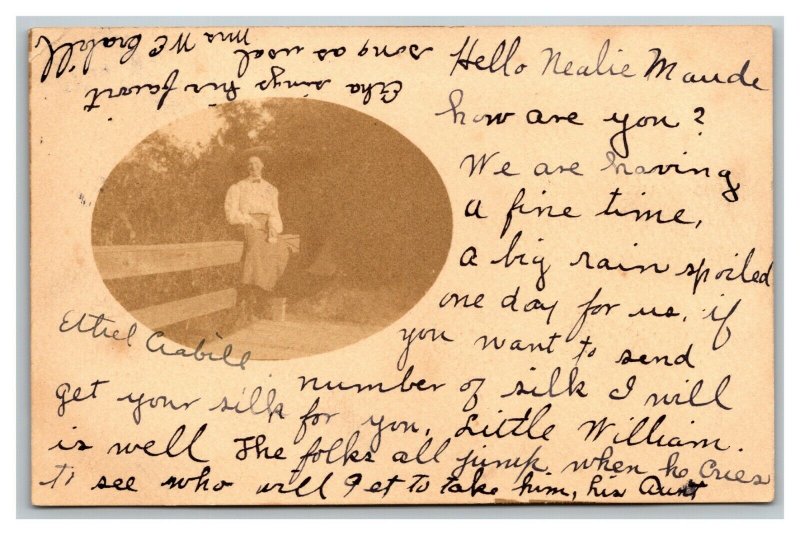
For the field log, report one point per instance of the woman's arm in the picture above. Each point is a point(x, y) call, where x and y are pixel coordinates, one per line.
point(275, 221)
point(233, 211)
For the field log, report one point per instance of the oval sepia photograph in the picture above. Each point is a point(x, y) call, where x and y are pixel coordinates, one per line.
point(285, 227)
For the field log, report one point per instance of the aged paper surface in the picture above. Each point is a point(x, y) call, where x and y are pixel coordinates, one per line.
point(401, 265)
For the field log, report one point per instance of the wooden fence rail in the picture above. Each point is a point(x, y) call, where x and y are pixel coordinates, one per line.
point(123, 261)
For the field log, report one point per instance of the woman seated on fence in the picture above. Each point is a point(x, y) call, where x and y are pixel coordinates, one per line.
point(253, 203)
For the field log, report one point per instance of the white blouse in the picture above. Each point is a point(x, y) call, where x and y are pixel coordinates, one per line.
point(253, 197)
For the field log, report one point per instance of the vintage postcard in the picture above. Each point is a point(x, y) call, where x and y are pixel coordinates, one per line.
point(401, 265)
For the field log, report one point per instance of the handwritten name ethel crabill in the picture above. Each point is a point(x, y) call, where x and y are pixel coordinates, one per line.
point(288, 266)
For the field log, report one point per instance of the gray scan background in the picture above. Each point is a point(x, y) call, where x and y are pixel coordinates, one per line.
point(23, 461)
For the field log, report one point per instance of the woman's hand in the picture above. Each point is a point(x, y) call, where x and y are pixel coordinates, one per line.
point(272, 234)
